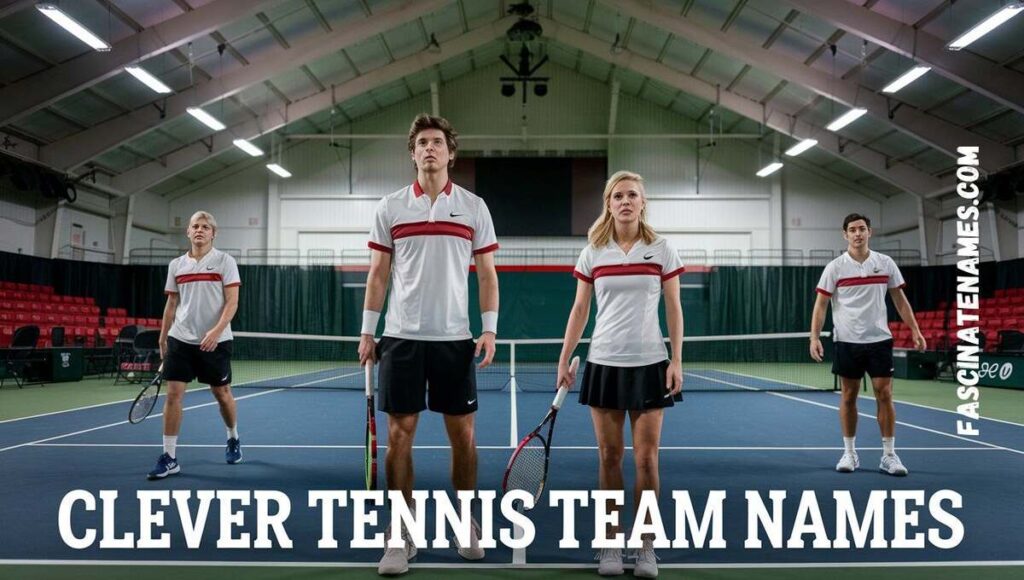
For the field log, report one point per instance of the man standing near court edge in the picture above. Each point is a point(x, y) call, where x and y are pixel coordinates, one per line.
point(856, 283)
point(195, 335)
point(424, 236)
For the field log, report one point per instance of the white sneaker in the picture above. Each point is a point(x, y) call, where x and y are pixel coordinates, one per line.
point(396, 560)
point(609, 562)
point(848, 463)
point(892, 465)
point(473, 551)
point(646, 561)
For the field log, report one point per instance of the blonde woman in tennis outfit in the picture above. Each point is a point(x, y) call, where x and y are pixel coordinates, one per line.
point(628, 372)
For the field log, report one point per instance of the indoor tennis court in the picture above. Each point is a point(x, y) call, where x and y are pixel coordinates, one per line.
point(758, 129)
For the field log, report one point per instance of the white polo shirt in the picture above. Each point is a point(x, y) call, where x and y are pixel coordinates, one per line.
point(627, 288)
point(432, 246)
point(200, 285)
point(857, 292)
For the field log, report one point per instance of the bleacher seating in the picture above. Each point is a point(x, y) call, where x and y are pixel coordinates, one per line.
point(83, 322)
point(1004, 311)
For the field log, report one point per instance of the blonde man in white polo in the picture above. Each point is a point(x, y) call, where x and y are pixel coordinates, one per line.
point(856, 284)
point(195, 336)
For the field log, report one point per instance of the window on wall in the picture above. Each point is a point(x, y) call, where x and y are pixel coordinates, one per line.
point(539, 196)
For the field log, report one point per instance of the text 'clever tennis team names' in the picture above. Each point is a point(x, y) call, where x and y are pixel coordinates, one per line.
point(258, 519)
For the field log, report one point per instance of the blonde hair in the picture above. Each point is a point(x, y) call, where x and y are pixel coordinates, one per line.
point(206, 216)
point(601, 232)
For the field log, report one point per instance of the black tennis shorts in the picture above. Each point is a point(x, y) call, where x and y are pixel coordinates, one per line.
point(185, 363)
point(407, 367)
point(852, 360)
point(626, 388)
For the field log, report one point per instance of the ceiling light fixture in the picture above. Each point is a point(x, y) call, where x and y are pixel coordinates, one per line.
point(905, 79)
point(988, 25)
point(248, 147)
point(801, 147)
point(148, 79)
point(54, 13)
point(769, 169)
point(846, 118)
point(206, 118)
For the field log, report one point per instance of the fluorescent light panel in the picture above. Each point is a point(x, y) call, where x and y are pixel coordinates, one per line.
point(846, 118)
point(148, 79)
point(206, 118)
point(68, 23)
point(279, 170)
point(906, 78)
point(248, 147)
point(985, 26)
point(801, 147)
point(769, 169)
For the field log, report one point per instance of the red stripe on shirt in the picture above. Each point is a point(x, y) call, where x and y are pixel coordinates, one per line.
point(863, 281)
point(486, 249)
point(432, 229)
point(582, 276)
point(186, 278)
point(379, 248)
point(672, 274)
point(627, 270)
point(823, 292)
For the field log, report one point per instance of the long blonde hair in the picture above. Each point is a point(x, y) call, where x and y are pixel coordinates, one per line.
point(601, 232)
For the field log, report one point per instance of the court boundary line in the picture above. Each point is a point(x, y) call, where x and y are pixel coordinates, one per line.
point(198, 387)
point(207, 404)
point(835, 408)
point(816, 390)
point(506, 565)
point(504, 448)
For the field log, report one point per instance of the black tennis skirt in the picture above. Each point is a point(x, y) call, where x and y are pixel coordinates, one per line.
point(626, 388)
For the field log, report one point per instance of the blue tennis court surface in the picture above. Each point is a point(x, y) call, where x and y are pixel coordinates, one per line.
point(300, 440)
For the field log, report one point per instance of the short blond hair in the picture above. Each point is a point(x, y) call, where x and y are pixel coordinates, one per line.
point(206, 216)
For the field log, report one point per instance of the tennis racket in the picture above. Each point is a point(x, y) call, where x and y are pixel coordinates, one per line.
point(371, 431)
point(528, 467)
point(145, 401)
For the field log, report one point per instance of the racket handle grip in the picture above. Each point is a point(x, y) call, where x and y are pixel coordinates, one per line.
point(559, 397)
point(368, 370)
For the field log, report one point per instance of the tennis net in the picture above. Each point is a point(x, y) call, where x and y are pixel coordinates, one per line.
point(754, 362)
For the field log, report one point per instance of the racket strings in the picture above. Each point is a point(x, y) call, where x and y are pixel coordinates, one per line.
point(528, 468)
point(145, 405)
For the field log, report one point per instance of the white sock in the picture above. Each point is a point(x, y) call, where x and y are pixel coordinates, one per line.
point(233, 432)
point(888, 445)
point(848, 443)
point(170, 444)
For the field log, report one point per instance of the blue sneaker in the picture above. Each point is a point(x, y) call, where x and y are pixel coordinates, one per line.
point(165, 466)
point(233, 454)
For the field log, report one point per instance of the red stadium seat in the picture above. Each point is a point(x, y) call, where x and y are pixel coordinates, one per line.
point(1010, 324)
point(6, 334)
point(23, 287)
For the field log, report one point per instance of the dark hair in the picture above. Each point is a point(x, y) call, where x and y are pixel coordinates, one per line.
point(423, 121)
point(854, 217)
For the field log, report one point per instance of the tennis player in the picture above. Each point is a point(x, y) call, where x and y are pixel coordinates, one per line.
point(856, 283)
point(195, 336)
point(628, 267)
point(425, 236)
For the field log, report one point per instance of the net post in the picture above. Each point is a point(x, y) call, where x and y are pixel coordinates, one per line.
point(513, 436)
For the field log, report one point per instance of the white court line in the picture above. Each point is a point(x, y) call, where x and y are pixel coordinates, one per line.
point(243, 397)
point(816, 389)
point(457, 566)
point(505, 448)
point(833, 407)
point(192, 390)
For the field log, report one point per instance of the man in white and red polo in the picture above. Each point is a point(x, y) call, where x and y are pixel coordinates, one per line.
point(425, 236)
point(195, 336)
point(856, 284)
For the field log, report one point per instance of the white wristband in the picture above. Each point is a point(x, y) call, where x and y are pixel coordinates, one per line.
point(490, 321)
point(370, 319)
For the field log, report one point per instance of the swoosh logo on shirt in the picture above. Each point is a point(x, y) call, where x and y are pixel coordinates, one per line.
point(211, 267)
point(455, 214)
point(649, 256)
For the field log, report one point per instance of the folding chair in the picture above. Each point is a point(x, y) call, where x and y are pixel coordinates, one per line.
point(21, 354)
